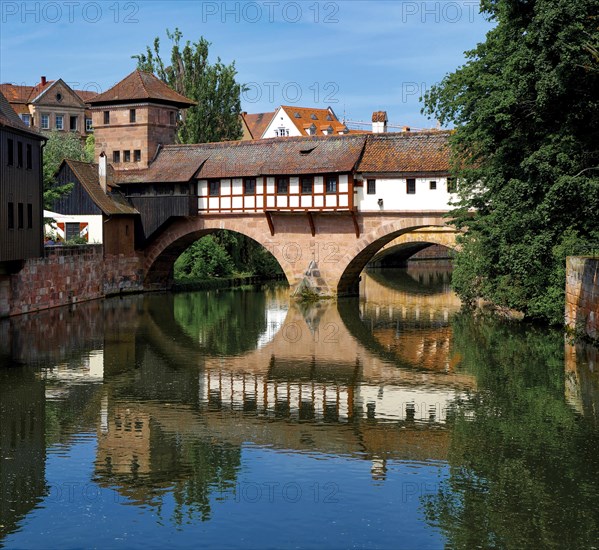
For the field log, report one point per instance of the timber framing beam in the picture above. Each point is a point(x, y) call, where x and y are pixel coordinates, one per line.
point(311, 221)
point(271, 224)
point(356, 224)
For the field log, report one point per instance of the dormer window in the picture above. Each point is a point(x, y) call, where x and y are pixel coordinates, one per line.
point(313, 116)
point(297, 115)
point(329, 117)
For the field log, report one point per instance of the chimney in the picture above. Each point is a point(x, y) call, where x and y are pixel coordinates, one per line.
point(406, 129)
point(379, 122)
point(43, 80)
point(102, 171)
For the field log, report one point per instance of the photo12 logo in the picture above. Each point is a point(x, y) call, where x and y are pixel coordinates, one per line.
point(69, 12)
point(270, 12)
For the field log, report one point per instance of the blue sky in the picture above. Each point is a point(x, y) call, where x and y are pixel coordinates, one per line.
point(354, 56)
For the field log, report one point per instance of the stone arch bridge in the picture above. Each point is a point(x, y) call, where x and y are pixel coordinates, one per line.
point(329, 250)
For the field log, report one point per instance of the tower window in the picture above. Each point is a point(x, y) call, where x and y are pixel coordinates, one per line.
point(249, 186)
point(136, 155)
point(127, 156)
point(106, 117)
point(214, 188)
point(307, 185)
point(331, 184)
point(116, 157)
point(132, 115)
point(282, 186)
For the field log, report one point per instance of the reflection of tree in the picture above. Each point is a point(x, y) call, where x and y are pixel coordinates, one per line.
point(523, 465)
point(415, 280)
point(224, 323)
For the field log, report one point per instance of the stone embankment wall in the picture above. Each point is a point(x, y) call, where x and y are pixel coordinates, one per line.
point(67, 275)
point(582, 295)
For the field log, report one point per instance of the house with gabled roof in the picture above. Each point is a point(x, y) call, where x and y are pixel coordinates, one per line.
point(51, 105)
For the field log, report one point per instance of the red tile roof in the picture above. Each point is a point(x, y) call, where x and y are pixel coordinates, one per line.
point(406, 152)
point(87, 173)
point(257, 123)
point(141, 86)
point(291, 155)
point(18, 94)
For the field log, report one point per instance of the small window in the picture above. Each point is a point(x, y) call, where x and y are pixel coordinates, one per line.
point(29, 215)
point(10, 158)
point(452, 185)
point(132, 115)
point(214, 188)
point(432, 185)
point(411, 186)
point(249, 186)
point(19, 154)
point(29, 157)
point(127, 156)
point(20, 217)
point(282, 185)
point(26, 119)
point(307, 185)
point(73, 123)
point(88, 125)
point(45, 124)
point(106, 117)
point(11, 215)
point(331, 184)
point(297, 115)
point(137, 155)
point(71, 231)
point(313, 116)
point(116, 157)
point(59, 122)
point(370, 187)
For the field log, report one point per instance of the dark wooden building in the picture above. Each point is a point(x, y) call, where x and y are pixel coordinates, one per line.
point(21, 190)
point(119, 218)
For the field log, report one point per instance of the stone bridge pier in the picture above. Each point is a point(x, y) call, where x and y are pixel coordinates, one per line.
point(330, 250)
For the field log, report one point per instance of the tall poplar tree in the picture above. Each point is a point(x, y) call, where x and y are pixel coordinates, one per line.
point(216, 117)
point(525, 107)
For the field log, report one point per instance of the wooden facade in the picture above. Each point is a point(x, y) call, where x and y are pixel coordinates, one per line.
point(21, 202)
point(78, 202)
point(287, 193)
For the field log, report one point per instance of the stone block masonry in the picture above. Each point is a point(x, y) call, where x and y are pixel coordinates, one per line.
point(582, 295)
point(67, 275)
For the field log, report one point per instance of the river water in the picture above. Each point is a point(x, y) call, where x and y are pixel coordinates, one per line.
point(236, 419)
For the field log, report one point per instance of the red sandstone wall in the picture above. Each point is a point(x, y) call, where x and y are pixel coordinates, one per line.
point(65, 276)
point(582, 295)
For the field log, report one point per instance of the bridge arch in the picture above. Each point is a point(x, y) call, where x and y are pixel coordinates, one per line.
point(411, 243)
point(393, 233)
point(160, 255)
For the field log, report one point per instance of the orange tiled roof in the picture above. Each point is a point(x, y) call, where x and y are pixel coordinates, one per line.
point(319, 117)
point(406, 152)
point(141, 86)
point(257, 123)
point(18, 94)
point(379, 116)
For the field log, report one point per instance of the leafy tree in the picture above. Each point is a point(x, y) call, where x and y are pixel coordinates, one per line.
point(204, 259)
point(525, 107)
point(61, 145)
point(216, 117)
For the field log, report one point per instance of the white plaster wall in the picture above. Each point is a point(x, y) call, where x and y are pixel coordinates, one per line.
point(393, 191)
point(281, 119)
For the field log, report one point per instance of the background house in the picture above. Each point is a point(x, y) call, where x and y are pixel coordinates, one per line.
point(51, 105)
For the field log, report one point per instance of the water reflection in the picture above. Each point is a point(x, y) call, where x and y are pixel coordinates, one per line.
point(188, 399)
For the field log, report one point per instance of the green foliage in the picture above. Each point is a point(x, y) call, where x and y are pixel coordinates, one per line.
point(526, 111)
point(202, 260)
point(61, 145)
point(523, 469)
point(216, 117)
point(223, 254)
